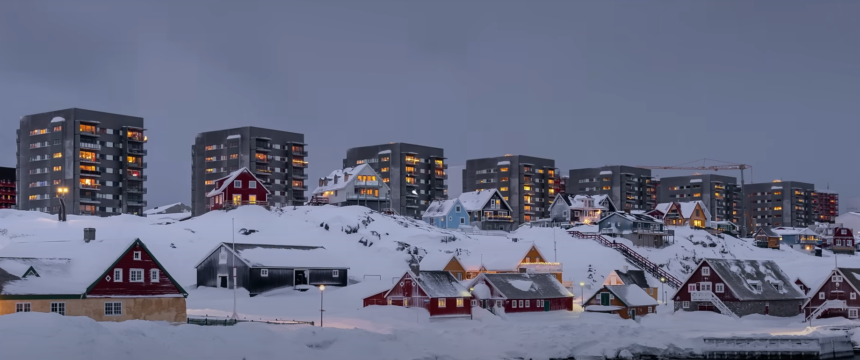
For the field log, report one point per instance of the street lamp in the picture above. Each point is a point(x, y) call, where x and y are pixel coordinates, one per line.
point(61, 193)
point(322, 289)
point(582, 292)
point(663, 289)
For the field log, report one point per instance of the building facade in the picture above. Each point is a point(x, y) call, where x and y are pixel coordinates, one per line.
point(780, 203)
point(7, 188)
point(279, 158)
point(415, 174)
point(529, 184)
point(826, 206)
point(628, 187)
point(239, 188)
point(720, 194)
point(97, 157)
point(358, 185)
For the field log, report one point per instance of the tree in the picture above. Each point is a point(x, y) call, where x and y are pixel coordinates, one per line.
point(591, 272)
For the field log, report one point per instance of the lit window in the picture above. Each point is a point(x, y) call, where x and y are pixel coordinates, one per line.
point(504, 169)
point(386, 158)
point(607, 187)
point(58, 155)
point(386, 179)
point(58, 168)
point(210, 182)
point(234, 156)
point(441, 303)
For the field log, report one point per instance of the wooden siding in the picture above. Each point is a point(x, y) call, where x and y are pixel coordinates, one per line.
point(376, 299)
point(107, 285)
point(148, 308)
point(533, 256)
point(416, 297)
point(556, 304)
point(833, 291)
point(727, 295)
point(209, 269)
point(227, 196)
point(277, 279)
point(624, 312)
point(326, 277)
point(456, 268)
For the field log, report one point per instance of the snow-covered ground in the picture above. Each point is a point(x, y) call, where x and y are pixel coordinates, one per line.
point(384, 332)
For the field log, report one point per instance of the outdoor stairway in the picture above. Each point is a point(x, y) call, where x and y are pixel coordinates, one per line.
point(633, 257)
point(829, 304)
point(701, 296)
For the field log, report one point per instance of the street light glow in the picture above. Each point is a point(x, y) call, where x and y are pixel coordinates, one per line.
point(322, 287)
point(581, 284)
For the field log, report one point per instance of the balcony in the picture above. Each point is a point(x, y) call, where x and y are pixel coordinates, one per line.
point(89, 186)
point(440, 185)
point(372, 183)
point(262, 146)
point(528, 170)
point(89, 160)
point(129, 176)
point(301, 153)
point(90, 173)
point(301, 198)
point(136, 190)
point(409, 194)
point(541, 267)
point(366, 197)
point(299, 187)
point(261, 159)
point(412, 205)
point(89, 131)
point(136, 164)
point(440, 166)
point(137, 150)
point(299, 176)
point(136, 136)
point(90, 146)
point(89, 200)
point(263, 170)
point(440, 175)
point(506, 218)
point(412, 184)
point(135, 202)
point(300, 164)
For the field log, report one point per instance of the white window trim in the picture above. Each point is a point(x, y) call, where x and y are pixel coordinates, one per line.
point(237, 184)
point(719, 288)
point(853, 295)
point(852, 313)
point(706, 271)
point(136, 255)
point(528, 303)
point(115, 273)
point(474, 302)
point(113, 308)
point(131, 271)
point(264, 272)
point(521, 304)
point(441, 302)
point(58, 304)
point(685, 304)
point(25, 307)
point(335, 273)
point(460, 302)
point(252, 184)
point(157, 274)
point(821, 295)
point(513, 304)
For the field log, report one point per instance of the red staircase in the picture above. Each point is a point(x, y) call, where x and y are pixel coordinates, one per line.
point(631, 256)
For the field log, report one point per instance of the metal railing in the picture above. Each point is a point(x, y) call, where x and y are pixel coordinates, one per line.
point(91, 146)
point(633, 256)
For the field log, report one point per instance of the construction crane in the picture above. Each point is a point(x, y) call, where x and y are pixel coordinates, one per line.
point(723, 166)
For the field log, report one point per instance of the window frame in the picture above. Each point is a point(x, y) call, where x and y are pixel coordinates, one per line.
point(440, 303)
point(513, 304)
point(237, 184)
point(157, 277)
point(460, 302)
point(115, 277)
point(23, 307)
point(264, 272)
point(136, 256)
point(685, 304)
point(821, 295)
point(335, 273)
point(706, 271)
point(719, 288)
point(58, 308)
point(113, 308)
point(130, 276)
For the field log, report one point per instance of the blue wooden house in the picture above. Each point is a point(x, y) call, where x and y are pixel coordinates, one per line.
point(797, 236)
point(447, 214)
point(641, 229)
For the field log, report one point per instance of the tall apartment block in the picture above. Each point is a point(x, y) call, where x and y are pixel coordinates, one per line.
point(415, 174)
point(721, 194)
point(96, 156)
point(827, 206)
point(7, 188)
point(780, 203)
point(528, 184)
point(627, 186)
point(277, 157)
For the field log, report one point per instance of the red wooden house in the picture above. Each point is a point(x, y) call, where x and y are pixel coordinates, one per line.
point(836, 296)
point(739, 287)
point(843, 241)
point(437, 291)
point(239, 188)
point(107, 280)
point(521, 292)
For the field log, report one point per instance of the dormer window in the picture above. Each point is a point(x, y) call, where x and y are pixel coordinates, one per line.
point(706, 271)
point(836, 278)
point(755, 285)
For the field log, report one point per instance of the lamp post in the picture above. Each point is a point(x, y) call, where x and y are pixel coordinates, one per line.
point(582, 293)
point(663, 289)
point(61, 193)
point(322, 289)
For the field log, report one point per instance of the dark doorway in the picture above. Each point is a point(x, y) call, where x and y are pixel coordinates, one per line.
point(222, 281)
point(301, 277)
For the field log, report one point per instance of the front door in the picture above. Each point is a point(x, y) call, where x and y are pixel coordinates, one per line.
point(604, 299)
point(301, 277)
point(222, 281)
point(546, 305)
point(237, 199)
point(633, 313)
point(252, 199)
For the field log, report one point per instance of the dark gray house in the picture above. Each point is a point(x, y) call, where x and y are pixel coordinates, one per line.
point(628, 187)
point(416, 175)
point(278, 158)
point(487, 210)
point(781, 203)
point(261, 267)
point(642, 230)
point(528, 183)
point(719, 194)
point(736, 288)
point(97, 156)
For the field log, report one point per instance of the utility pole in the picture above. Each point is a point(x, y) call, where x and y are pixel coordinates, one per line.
point(235, 314)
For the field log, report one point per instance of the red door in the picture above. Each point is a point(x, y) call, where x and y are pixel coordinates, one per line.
point(407, 288)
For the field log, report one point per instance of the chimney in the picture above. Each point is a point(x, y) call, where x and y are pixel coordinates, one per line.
point(625, 269)
point(89, 234)
point(414, 266)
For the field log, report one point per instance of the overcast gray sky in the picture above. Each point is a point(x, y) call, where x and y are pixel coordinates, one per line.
point(775, 84)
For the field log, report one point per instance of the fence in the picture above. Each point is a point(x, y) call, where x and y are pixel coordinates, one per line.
point(223, 321)
point(632, 256)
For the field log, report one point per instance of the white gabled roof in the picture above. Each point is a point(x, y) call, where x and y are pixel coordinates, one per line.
point(631, 295)
point(475, 200)
point(229, 180)
point(436, 261)
point(352, 172)
point(794, 231)
point(440, 207)
point(578, 201)
point(663, 207)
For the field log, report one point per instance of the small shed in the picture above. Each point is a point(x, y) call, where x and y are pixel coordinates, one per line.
point(627, 276)
point(266, 267)
point(765, 237)
point(628, 301)
point(436, 291)
point(515, 293)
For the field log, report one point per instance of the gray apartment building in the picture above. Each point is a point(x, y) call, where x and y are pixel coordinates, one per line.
point(278, 158)
point(528, 184)
point(625, 185)
point(721, 194)
point(416, 174)
point(780, 203)
point(97, 158)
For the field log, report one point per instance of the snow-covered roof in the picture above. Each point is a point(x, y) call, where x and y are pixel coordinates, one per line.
point(436, 261)
point(633, 217)
point(504, 162)
point(633, 277)
point(602, 308)
point(851, 275)
point(631, 295)
point(526, 286)
point(229, 180)
point(286, 256)
point(663, 207)
point(578, 201)
point(440, 207)
point(686, 208)
point(162, 209)
point(505, 258)
point(439, 284)
point(57, 119)
point(63, 267)
point(739, 274)
point(231, 137)
point(767, 231)
point(794, 231)
point(341, 184)
point(606, 172)
point(475, 200)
